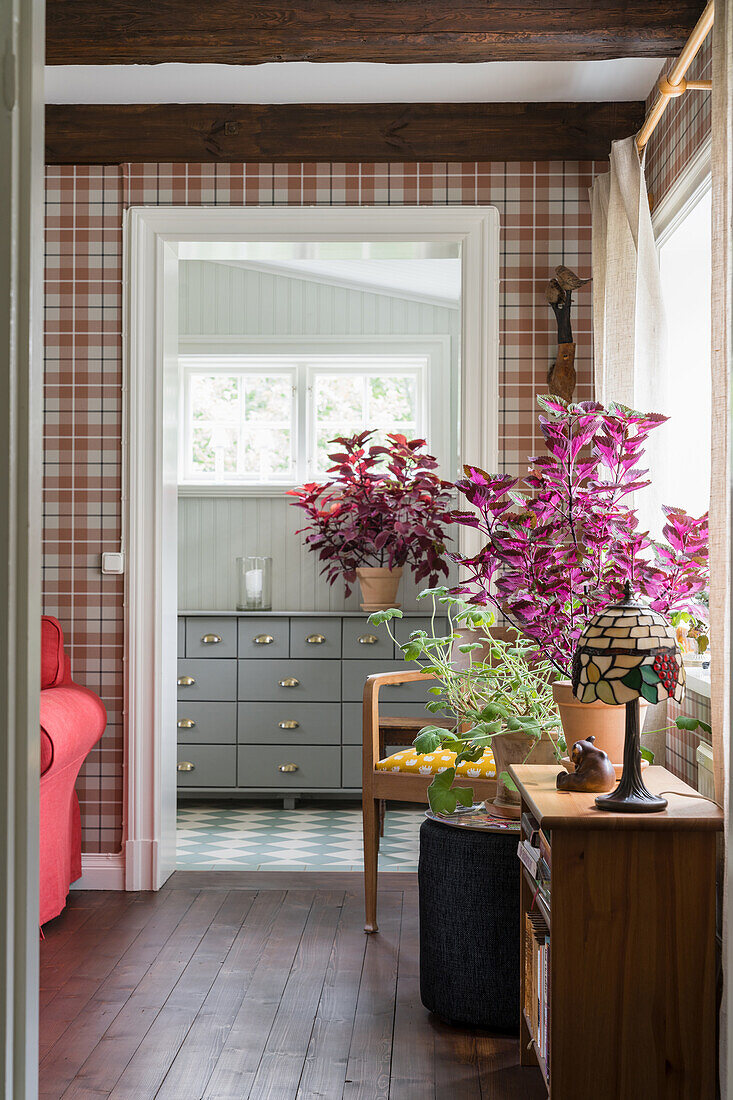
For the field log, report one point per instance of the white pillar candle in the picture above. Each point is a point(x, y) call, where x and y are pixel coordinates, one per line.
point(253, 584)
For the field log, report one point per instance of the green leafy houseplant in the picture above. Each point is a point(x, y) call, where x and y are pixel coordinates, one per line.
point(501, 690)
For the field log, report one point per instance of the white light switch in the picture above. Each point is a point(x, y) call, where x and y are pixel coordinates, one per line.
point(113, 563)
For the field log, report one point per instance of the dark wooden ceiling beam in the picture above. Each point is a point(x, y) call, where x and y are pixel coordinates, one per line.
point(248, 32)
point(113, 134)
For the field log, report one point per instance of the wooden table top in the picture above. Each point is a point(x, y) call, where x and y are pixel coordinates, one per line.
point(575, 810)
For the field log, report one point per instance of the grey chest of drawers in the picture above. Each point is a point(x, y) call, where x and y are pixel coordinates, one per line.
point(270, 704)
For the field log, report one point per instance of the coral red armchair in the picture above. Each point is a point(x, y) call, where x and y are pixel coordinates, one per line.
point(72, 721)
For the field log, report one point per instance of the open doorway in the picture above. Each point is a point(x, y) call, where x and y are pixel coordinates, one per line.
point(271, 333)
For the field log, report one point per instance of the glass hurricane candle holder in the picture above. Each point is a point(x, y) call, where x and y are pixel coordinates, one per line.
point(254, 576)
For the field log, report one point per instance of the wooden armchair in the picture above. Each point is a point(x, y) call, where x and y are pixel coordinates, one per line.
point(397, 786)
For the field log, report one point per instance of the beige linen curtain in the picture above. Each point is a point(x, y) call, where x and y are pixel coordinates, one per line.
point(720, 487)
point(629, 328)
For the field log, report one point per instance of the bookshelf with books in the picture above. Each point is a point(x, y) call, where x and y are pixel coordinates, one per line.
point(617, 927)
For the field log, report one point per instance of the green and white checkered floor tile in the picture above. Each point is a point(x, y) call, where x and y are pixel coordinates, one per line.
point(252, 837)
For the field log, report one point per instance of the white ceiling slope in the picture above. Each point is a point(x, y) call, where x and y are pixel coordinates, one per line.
point(436, 281)
point(355, 82)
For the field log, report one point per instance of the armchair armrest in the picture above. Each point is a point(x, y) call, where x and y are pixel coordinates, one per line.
point(73, 719)
point(371, 707)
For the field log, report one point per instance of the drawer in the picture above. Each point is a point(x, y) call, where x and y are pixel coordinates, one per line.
point(315, 637)
point(215, 680)
point(351, 717)
point(351, 760)
point(315, 723)
point(181, 637)
point(317, 766)
point(215, 637)
point(356, 672)
point(213, 765)
point(361, 640)
point(263, 637)
point(214, 723)
point(317, 681)
point(351, 764)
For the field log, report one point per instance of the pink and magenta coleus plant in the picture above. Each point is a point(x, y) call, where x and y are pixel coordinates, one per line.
point(562, 542)
point(384, 506)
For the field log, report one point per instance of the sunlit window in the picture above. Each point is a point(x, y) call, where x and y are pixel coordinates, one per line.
point(346, 402)
point(270, 422)
point(685, 268)
point(241, 426)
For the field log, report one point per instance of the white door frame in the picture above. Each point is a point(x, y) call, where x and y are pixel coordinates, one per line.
point(21, 431)
point(151, 239)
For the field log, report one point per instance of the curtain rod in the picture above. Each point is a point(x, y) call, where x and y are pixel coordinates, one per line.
point(674, 84)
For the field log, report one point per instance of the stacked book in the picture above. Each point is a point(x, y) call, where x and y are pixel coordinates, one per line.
point(535, 853)
point(537, 982)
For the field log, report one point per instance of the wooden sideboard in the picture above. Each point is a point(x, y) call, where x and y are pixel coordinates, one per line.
point(270, 703)
point(630, 918)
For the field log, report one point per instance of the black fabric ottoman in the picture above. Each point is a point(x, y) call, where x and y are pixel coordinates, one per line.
point(469, 926)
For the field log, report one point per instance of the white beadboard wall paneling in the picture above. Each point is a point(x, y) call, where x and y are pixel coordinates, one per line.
point(218, 299)
point(215, 531)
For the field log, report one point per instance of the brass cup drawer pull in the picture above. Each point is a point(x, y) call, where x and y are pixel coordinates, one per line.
point(186, 724)
point(368, 639)
point(211, 639)
point(263, 639)
point(291, 724)
point(288, 768)
point(186, 766)
point(316, 639)
point(186, 681)
point(289, 682)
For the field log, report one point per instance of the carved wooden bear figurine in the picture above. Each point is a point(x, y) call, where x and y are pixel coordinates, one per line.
point(593, 770)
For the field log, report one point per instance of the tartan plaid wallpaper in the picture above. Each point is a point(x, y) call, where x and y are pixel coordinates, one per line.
point(545, 220)
point(681, 748)
point(683, 128)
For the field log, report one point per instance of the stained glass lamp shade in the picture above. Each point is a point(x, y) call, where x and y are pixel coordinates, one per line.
point(626, 652)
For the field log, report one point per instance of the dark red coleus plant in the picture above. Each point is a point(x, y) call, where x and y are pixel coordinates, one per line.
point(561, 543)
point(383, 506)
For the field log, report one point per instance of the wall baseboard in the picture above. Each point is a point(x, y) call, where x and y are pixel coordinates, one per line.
point(141, 865)
point(101, 871)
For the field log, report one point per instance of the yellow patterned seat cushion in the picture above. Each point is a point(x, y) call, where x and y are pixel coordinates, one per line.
point(429, 763)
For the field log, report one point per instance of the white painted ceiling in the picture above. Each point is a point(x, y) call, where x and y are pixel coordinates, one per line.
point(355, 82)
point(428, 271)
point(436, 281)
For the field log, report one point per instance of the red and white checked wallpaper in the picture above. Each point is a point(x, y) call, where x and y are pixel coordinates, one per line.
point(545, 220)
point(683, 128)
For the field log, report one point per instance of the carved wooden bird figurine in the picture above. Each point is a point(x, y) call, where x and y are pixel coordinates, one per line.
point(554, 292)
point(567, 279)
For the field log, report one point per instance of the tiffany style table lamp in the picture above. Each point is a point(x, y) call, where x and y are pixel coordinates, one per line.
point(625, 652)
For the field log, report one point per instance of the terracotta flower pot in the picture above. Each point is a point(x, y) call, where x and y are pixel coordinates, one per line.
point(581, 720)
point(378, 587)
point(467, 634)
point(516, 748)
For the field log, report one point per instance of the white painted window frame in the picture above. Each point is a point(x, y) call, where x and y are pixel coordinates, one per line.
point(693, 182)
point(151, 237)
point(438, 390)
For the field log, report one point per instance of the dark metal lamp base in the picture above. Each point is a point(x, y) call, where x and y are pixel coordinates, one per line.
point(637, 803)
point(631, 795)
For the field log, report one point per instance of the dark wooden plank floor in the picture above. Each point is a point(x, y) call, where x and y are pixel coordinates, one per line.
point(263, 985)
